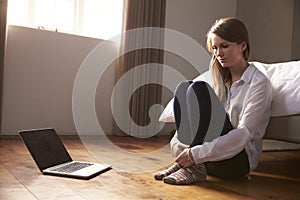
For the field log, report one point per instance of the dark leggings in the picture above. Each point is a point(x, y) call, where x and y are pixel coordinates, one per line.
point(200, 117)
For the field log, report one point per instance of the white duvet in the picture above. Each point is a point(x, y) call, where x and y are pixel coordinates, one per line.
point(285, 80)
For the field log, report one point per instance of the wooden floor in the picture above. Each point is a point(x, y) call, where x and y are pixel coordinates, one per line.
point(277, 176)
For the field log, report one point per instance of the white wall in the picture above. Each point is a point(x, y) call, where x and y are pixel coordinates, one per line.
point(296, 32)
point(270, 24)
point(38, 80)
point(194, 18)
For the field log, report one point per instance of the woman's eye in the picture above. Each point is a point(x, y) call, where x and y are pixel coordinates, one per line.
point(224, 46)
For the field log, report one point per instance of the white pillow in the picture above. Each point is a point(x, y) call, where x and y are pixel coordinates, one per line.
point(285, 80)
point(167, 115)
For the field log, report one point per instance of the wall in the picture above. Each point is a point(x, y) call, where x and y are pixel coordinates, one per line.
point(270, 24)
point(296, 32)
point(194, 18)
point(39, 75)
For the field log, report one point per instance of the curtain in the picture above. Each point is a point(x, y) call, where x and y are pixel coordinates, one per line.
point(140, 14)
point(3, 31)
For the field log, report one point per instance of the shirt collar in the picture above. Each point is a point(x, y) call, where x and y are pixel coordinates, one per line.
point(248, 73)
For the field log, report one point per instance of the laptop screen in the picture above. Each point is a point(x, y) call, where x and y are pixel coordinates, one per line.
point(45, 147)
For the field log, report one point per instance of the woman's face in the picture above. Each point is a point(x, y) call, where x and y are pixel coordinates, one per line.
point(228, 54)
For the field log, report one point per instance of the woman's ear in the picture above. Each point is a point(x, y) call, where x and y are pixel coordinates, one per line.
point(244, 45)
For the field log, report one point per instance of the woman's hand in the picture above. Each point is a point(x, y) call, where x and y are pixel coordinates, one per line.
point(185, 159)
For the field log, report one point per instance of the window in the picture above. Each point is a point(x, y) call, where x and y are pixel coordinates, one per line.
point(92, 18)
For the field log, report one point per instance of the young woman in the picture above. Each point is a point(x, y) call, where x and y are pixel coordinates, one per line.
point(219, 131)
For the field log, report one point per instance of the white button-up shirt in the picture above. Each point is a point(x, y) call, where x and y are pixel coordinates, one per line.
point(249, 108)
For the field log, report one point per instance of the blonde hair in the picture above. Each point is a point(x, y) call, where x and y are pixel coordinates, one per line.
point(232, 30)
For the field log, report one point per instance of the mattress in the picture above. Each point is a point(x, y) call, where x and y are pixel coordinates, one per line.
point(285, 128)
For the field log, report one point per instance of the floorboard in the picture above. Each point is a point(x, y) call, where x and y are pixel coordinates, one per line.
point(134, 162)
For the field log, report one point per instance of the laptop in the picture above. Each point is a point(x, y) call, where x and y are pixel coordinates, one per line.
point(52, 158)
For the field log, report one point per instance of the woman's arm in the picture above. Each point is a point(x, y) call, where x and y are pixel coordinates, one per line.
point(176, 146)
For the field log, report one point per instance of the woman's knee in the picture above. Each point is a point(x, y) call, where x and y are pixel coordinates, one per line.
point(199, 86)
point(184, 84)
point(181, 89)
point(198, 89)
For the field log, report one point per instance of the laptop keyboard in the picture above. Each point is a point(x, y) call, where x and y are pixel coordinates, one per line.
point(69, 168)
